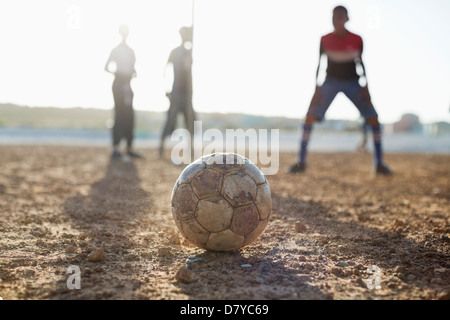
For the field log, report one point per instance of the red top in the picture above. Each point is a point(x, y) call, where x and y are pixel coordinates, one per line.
point(332, 42)
point(342, 53)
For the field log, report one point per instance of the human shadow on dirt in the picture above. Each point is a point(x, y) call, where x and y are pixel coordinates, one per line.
point(106, 218)
point(346, 238)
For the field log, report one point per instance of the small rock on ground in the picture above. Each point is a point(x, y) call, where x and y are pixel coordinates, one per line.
point(184, 275)
point(96, 255)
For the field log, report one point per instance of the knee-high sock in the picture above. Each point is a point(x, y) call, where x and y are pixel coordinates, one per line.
point(304, 142)
point(378, 152)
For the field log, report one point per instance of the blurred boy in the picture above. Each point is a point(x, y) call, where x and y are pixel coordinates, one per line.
point(343, 50)
point(181, 95)
point(124, 59)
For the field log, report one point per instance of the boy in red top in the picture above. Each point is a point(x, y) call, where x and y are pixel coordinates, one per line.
point(343, 50)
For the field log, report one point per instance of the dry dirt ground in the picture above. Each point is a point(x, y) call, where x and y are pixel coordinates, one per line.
point(328, 226)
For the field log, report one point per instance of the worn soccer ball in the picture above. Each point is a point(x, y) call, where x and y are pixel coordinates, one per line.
point(221, 202)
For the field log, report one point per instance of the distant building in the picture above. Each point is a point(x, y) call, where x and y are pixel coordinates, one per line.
point(408, 123)
point(437, 128)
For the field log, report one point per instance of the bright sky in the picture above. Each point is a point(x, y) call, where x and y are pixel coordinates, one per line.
point(252, 56)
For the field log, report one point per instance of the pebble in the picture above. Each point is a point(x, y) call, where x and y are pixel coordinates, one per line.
point(436, 190)
point(444, 295)
point(392, 284)
point(184, 275)
point(440, 270)
point(300, 227)
point(96, 255)
point(437, 281)
point(337, 271)
point(130, 257)
point(342, 264)
point(429, 254)
point(82, 237)
point(71, 249)
point(246, 265)
point(27, 236)
point(411, 277)
point(400, 269)
point(379, 242)
point(175, 239)
point(401, 276)
point(193, 259)
point(83, 244)
point(398, 223)
point(164, 251)
point(29, 272)
point(98, 269)
point(444, 237)
point(360, 282)
point(308, 266)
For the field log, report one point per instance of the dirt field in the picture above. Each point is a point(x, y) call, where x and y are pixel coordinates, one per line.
point(328, 226)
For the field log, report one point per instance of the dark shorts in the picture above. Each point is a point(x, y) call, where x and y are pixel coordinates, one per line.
point(124, 113)
point(180, 102)
point(325, 94)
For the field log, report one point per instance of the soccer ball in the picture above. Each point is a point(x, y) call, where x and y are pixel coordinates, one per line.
point(221, 202)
